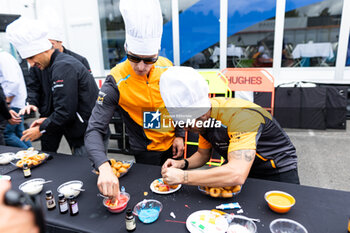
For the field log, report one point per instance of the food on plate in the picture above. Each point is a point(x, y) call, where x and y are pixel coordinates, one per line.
point(33, 159)
point(119, 168)
point(122, 170)
point(126, 165)
point(214, 192)
point(163, 186)
point(225, 192)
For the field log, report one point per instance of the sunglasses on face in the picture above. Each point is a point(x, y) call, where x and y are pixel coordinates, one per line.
point(136, 59)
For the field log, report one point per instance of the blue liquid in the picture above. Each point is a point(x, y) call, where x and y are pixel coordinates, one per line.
point(148, 215)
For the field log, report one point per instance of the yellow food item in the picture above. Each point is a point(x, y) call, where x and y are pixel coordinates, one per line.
point(236, 188)
point(122, 170)
point(20, 163)
point(279, 200)
point(114, 171)
point(35, 162)
point(226, 193)
point(214, 192)
point(126, 165)
point(112, 161)
point(173, 186)
point(117, 166)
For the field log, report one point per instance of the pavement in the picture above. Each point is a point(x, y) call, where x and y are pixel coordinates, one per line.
point(323, 159)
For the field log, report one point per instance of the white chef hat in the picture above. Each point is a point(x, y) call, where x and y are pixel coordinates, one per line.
point(53, 22)
point(55, 31)
point(143, 25)
point(185, 93)
point(28, 36)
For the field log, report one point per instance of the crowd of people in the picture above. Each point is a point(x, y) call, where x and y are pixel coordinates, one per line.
point(63, 91)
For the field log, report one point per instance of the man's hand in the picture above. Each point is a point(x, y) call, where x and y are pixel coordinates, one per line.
point(107, 182)
point(31, 134)
point(173, 175)
point(38, 122)
point(14, 219)
point(27, 109)
point(15, 118)
point(178, 147)
point(173, 163)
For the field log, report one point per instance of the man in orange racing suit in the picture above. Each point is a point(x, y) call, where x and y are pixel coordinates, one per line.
point(133, 88)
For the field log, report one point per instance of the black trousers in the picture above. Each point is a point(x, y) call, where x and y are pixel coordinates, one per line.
point(288, 177)
point(50, 141)
point(153, 157)
point(3, 124)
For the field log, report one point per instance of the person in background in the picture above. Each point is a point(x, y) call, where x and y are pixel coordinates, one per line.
point(133, 88)
point(74, 90)
point(6, 116)
point(12, 81)
point(39, 88)
point(246, 135)
point(14, 219)
point(262, 57)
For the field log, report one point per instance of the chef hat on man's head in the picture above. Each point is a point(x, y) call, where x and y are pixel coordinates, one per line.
point(28, 36)
point(143, 25)
point(55, 31)
point(185, 93)
point(53, 22)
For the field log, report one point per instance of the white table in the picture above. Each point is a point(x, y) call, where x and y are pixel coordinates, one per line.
point(231, 51)
point(313, 50)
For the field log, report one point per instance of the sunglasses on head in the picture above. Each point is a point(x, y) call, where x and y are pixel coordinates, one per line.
point(136, 59)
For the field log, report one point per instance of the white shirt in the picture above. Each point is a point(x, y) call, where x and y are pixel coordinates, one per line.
point(11, 80)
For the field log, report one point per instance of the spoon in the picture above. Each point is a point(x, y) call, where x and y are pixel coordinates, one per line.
point(44, 182)
point(78, 189)
point(101, 195)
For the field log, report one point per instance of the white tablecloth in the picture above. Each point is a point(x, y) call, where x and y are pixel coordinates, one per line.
point(313, 50)
point(231, 51)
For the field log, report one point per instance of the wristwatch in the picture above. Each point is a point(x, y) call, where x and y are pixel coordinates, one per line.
point(186, 164)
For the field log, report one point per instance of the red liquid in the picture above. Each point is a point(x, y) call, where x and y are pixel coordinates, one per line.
point(121, 203)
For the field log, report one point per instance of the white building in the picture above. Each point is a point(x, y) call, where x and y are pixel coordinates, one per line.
point(306, 40)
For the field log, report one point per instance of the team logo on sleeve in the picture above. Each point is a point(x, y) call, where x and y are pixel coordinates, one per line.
point(151, 120)
point(101, 96)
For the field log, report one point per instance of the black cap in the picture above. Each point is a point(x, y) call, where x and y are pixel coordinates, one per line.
point(71, 197)
point(129, 212)
point(48, 193)
point(60, 196)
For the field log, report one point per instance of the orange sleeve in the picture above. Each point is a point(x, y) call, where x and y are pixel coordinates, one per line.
point(203, 144)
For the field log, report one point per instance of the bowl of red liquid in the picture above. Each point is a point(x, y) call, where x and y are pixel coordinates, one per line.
point(119, 205)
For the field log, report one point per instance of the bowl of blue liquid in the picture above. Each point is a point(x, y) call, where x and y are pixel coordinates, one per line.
point(148, 210)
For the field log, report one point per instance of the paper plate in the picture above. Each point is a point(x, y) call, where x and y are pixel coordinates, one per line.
point(167, 192)
point(206, 221)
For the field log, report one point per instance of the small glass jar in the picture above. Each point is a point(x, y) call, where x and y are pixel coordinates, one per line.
point(73, 206)
point(50, 200)
point(130, 221)
point(26, 170)
point(62, 204)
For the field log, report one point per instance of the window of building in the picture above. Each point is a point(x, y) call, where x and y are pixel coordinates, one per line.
point(113, 31)
point(250, 33)
point(311, 31)
point(347, 63)
point(199, 32)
